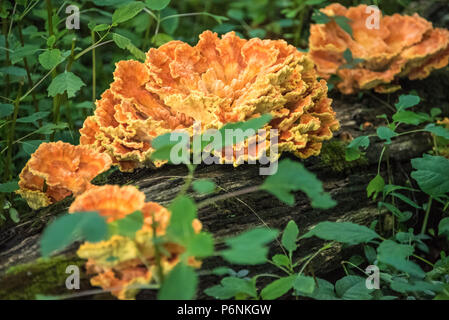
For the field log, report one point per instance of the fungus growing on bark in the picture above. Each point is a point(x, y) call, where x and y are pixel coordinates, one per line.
point(120, 264)
point(218, 81)
point(57, 170)
point(401, 46)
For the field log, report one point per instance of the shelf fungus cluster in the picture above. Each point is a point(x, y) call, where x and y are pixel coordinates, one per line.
point(215, 82)
point(384, 49)
point(121, 264)
point(57, 170)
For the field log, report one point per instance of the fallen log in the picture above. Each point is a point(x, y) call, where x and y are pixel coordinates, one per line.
point(19, 244)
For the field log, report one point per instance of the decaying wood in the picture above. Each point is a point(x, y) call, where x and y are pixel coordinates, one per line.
point(346, 183)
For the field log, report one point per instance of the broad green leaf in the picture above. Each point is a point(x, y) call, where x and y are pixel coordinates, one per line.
point(13, 71)
point(34, 117)
point(278, 288)
point(386, 134)
point(432, 174)
point(201, 245)
point(180, 284)
point(160, 39)
point(127, 226)
point(171, 24)
point(127, 12)
point(6, 110)
point(292, 176)
point(183, 211)
point(304, 284)
point(281, 260)
point(168, 146)
point(249, 247)
point(375, 187)
point(157, 4)
point(324, 290)
point(443, 227)
point(65, 82)
point(396, 255)
point(407, 101)
point(289, 236)
point(352, 288)
point(203, 186)
point(14, 215)
point(404, 286)
point(9, 187)
point(410, 117)
point(68, 228)
point(29, 146)
point(345, 232)
point(125, 43)
point(50, 58)
point(344, 23)
point(320, 18)
point(437, 130)
point(230, 287)
point(353, 151)
point(23, 52)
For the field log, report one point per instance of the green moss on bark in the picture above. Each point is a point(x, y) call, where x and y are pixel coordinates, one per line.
point(333, 155)
point(43, 276)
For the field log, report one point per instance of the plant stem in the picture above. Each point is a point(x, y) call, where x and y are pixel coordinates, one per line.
point(94, 77)
point(426, 217)
point(227, 196)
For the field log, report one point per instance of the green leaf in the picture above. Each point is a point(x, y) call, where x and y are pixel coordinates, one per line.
point(443, 227)
point(290, 236)
point(345, 232)
point(432, 174)
point(180, 284)
point(171, 24)
point(14, 215)
point(65, 82)
point(396, 255)
point(407, 101)
point(101, 27)
point(375, 186)
point(157, 4)
point(68, 228)
point(410, 117)
point(124, 43)
point(320, 18)
point(127, 12)
point(50, 58)
point(278, 288)
point(437, 130)
point(183, 211)
point(353, 151)
point(23, 52)
point(30, 146)
point(304, 284)
point(231, 287)
point(160, 39)
point(404, 286)
point(281, 260)
point(324, 290)
point(6, 110)
point(9, 187)
point(343, 22)
point(14, 71)
point(292, 176)
point(51, 127)
point(386, 134)
point(127, 226)
point(203, 186)
point(352, 288)
point(201, 245)
point(249, 247)
point(165, 147)
point(34, 117)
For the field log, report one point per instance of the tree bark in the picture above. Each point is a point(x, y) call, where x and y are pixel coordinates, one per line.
point(345, 181)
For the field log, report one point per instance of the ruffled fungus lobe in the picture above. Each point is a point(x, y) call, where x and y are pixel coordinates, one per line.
point(218, 81)
point(402, 46)
point(120, 264)
point(57, 170)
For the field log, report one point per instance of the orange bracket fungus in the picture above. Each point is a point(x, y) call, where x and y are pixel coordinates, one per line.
point(399, 46)
point(57, 170)
point(215, 82)
point(120, 264)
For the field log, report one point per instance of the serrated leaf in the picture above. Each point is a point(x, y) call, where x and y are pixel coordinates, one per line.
point(201, 245)
point(293, 176)
point(375, 187)
point(127, 226)
point(180, 284)
point(345, 232)
point(231, 287)
point(50, 58)
point(72, 227)
point(65, 82)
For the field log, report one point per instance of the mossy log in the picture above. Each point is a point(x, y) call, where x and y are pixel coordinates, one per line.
point(345, 181)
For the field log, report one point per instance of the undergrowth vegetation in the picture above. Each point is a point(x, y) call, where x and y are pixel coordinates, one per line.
point(51, 77)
